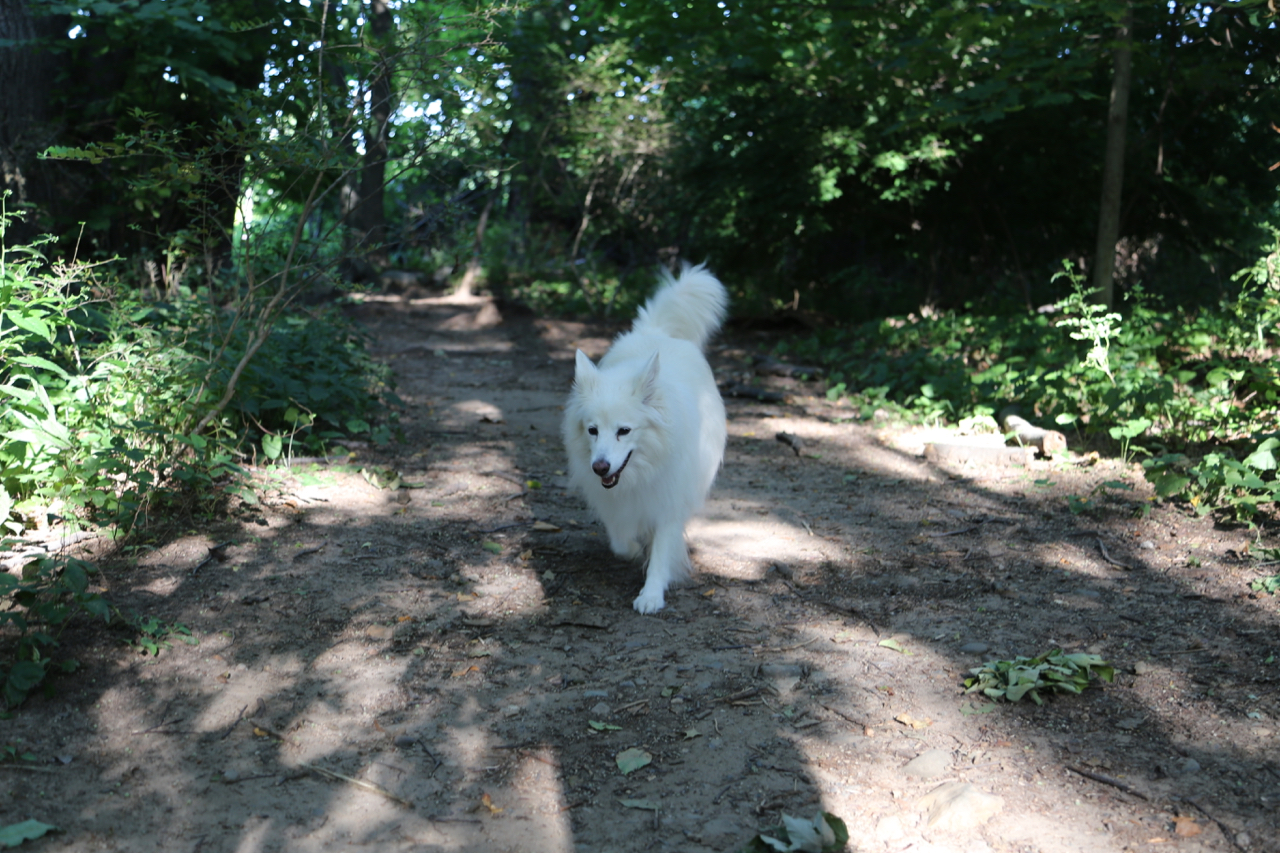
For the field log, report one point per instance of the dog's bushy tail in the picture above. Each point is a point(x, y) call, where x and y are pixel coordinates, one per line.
point(691, 307)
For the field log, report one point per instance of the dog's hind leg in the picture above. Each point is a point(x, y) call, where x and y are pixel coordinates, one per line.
point(668, 561)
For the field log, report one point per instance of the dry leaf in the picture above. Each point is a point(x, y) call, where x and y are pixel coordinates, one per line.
point(466, 596)
point(403, 618)
point(1186, 827)
point(709, 592)
point(546, 527)
point(908, 720)
point(461, 672)
point(487, 803)
point(526, 556)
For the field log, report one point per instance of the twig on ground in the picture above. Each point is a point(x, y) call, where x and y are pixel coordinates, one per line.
point(359, 783)
point(234, 723)
point(632, 705)
point(1107, 780)
point(1111, 559)
point(740, 695)
point(157, 726)
point(308, 551)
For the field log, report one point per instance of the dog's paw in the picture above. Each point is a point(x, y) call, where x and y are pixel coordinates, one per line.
point(649, 601)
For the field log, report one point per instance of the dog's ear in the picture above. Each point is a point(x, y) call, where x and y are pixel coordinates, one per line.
point(647, 381)
point(584, 371)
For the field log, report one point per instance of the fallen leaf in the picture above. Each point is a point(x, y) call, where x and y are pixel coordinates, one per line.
point(403, 618)
point(526, 556)
point(890, 643)
point(16, 833)
point(908, 720)
point(649, 805)
point(1186, 827)
point(548, 575)
point(492, 547)
point(487, 802)
point(478, 653)
point(709, 592)
point(461, 672)
point(466, 596)
point(546, 527)
point(630, 760)
point(257, 732)
point(690, 734)
point(603, 727)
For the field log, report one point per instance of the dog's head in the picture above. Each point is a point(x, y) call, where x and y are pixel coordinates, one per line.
point(614, 418)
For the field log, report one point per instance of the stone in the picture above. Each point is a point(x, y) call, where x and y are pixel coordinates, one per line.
point(929, 764)
point(404, 741)
point(1142, 668)
point(889, 829)
point(959, 805)
point(600, 709)
point(974, 648)
point(1187, 766)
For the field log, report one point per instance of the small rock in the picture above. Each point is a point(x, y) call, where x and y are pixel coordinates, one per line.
point(595, 694)
point(379, 632)
point(1147, 545)
point(974, 648)
point(511, 710)
point(1142, 668)
point(959, 805)
point(627, 685)
point(1243, 840)
point(404, 741)
point(928, 764)
point(230, 776)
point(1187, 766)
point(600, 709)
point(889, 829)
point(1088, 593)
point(1128, 724)
point(1262, 732)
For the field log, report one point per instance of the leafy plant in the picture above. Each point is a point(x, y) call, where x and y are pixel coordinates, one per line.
point(1270, 585)
point(1219, 481)
point(38, 605)
point(1052, 672)
point(824, 833)
point(154, 635)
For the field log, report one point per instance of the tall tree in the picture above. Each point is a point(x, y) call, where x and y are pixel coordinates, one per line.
point(1104, 256)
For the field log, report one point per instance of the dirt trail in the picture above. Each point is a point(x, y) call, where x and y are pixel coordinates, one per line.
point(466, 645)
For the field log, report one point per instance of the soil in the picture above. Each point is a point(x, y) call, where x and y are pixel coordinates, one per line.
point(449, 630)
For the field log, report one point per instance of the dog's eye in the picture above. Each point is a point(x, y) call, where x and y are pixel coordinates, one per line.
point(623, 431)
point(592, 431)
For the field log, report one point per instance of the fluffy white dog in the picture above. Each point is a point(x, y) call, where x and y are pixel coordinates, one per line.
point(645, 428)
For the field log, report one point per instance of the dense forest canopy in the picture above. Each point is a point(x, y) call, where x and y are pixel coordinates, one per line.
point(857, 158)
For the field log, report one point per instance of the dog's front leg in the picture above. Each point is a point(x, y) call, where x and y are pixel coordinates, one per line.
point(668, 559)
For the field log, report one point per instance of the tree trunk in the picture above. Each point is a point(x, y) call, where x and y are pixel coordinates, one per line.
point(371, 217)
point(1104, 257)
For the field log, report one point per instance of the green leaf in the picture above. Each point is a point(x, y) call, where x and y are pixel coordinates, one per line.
point(603, 727)
point(649, 805)
point(272, 445)
point(16, 833)
point(631, 760)
point(492, 547)
point(890, 643)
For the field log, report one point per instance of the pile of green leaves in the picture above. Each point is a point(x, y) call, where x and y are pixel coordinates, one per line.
point(825, 833)
point(1219, 481)
point(1052, 672)
point(37, 605)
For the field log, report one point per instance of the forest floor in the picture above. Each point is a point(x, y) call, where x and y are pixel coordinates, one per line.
point(449, 629)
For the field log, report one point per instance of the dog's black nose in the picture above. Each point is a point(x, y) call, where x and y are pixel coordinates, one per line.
point(601, 467)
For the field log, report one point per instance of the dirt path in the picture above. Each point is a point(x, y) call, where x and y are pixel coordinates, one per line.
point(467, 646)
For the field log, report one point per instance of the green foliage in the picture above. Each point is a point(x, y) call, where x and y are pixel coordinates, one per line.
point(152, 635)
point(1270, 584)
point(1219, 481)
point(1052, 672)
point(37, 605)
point(824, 833)
point(16, 833)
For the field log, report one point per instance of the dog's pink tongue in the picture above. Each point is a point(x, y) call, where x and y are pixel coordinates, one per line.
point(610, 481)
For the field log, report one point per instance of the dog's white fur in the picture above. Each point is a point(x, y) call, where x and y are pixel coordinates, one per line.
point(645, 430)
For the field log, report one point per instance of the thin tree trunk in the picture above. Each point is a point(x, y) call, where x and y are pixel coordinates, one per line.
point(371, 215)
point(1104, 257)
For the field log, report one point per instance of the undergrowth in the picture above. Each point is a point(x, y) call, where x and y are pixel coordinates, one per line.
point(1167, 384)
point(101, 399)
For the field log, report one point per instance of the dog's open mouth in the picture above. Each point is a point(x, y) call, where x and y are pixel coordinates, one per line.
point(612, 480)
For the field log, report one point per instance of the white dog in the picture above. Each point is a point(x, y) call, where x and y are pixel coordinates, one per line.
point(645, 429)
